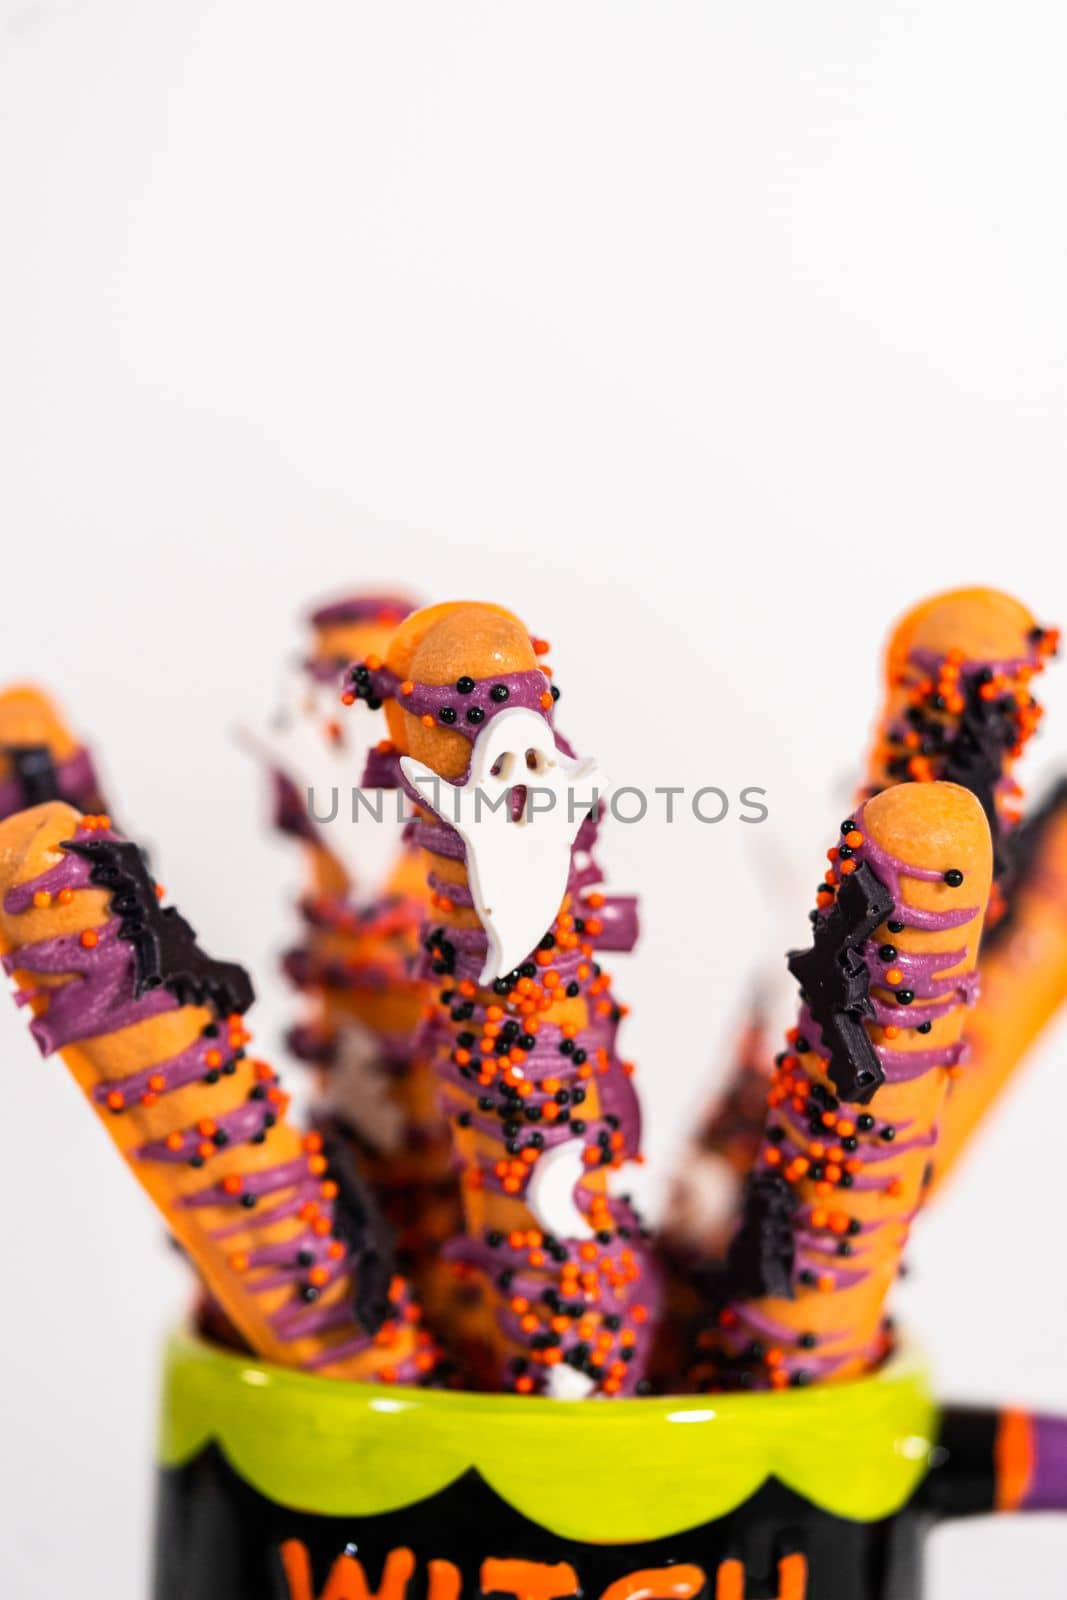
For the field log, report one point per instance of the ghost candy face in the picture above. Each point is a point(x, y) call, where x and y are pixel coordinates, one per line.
point(518, 814)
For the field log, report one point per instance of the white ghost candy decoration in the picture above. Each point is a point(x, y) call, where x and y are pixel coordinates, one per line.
point(517, 867)
point(327, 771)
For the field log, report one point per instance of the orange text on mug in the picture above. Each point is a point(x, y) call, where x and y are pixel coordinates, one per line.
point(529, 1580)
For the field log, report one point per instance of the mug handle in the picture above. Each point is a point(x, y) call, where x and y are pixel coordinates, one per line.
point(996, 1460)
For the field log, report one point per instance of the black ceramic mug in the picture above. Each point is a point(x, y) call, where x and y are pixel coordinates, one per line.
point(279, 1486)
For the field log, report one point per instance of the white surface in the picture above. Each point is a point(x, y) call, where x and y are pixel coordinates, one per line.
point(706, 336)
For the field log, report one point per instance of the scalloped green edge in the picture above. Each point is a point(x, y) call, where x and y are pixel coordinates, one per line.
point(613, 1471)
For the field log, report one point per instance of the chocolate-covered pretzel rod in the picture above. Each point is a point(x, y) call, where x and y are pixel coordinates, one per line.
point(852, 1118)
point(40, 759)
point(354, 966)
point(1022, 976)
point(152, 1029)
point(958, 706)
point(523, 1024)
point(704, 1196)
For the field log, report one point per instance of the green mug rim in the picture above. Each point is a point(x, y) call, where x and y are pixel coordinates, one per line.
point(597, 1471)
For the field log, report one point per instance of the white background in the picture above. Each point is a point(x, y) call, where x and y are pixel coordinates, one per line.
point(708, 337)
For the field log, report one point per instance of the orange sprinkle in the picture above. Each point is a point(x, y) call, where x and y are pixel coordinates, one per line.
point(90, 939)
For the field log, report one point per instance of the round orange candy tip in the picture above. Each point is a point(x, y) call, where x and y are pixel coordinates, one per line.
point(89, 939)
point(174, 1141)
point(239, 1263)
point(116, 1100)
point(427, 720)
point(42, 899)
point(65, 896)
point(231, 1184)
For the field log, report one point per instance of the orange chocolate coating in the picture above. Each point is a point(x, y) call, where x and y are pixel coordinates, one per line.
point(361, 997)
point(525, 1336)
point(28, 716)
point(244, 1254)
point(1023, 971)
point(930, 654)
point(856, 1184)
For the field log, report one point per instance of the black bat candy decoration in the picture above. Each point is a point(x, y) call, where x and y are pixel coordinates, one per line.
point(975, 757)
point(835, 983)
point(166, 954)
point(34, 769)
point(970, 753)
point(360, 1225)
point(759, 1261)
